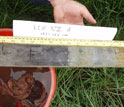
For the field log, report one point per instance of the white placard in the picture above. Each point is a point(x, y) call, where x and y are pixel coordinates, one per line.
point(54, 30)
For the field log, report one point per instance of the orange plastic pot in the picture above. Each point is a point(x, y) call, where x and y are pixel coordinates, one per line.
point(9, 32)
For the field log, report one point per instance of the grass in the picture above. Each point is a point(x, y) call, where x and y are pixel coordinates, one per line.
point(78, 87)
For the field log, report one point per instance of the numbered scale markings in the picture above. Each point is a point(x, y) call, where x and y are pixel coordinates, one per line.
point(59, 42)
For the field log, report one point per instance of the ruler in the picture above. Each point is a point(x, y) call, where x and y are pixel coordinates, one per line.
point(60, 42)
point(49, 52)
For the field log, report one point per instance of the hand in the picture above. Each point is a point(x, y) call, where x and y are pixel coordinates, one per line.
point(71, 12)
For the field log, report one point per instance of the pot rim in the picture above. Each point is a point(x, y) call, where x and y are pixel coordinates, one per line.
point(9, 32)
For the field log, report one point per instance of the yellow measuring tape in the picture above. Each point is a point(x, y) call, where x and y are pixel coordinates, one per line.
point(60, 42)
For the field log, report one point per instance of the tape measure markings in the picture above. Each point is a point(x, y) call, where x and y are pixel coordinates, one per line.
point(60, 42)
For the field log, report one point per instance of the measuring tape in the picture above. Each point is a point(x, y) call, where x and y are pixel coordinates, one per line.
point(59, 42)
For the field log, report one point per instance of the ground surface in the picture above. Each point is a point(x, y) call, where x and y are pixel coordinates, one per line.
point(78, 87)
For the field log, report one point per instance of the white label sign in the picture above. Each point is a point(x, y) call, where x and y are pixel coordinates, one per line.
point(55, 30)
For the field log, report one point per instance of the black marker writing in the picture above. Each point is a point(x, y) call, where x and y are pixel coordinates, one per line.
point(56, 28)
point(69, 29)
point(39, 27)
